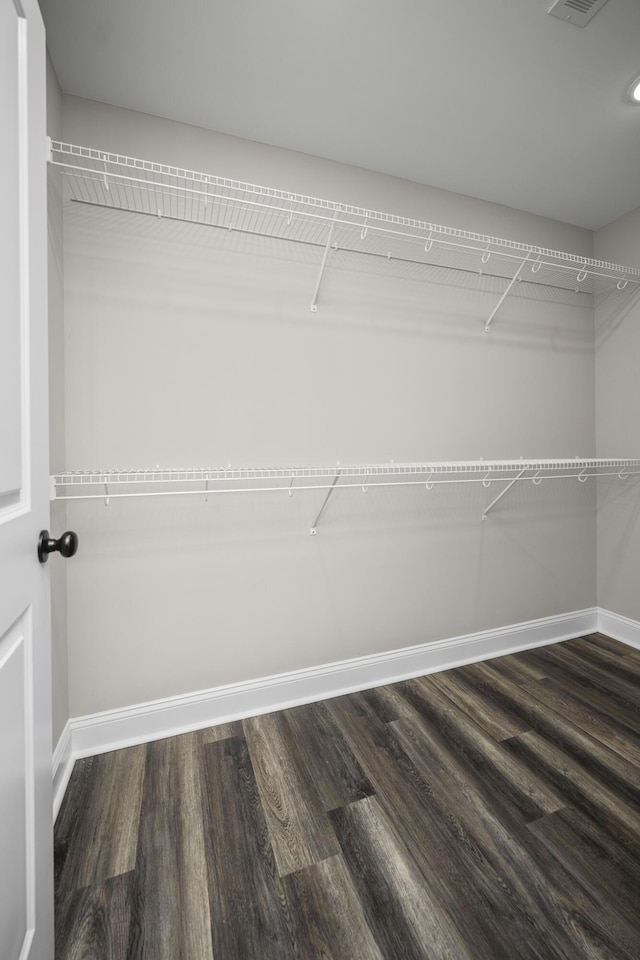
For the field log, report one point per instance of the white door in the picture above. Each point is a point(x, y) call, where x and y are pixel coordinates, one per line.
point(26, 858)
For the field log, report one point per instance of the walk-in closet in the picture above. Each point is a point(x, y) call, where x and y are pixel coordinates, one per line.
point(347, 661)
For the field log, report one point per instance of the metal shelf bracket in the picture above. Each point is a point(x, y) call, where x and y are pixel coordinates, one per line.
point(502, 493)
point(313, 531)
point(506, 293)
point(323, 265)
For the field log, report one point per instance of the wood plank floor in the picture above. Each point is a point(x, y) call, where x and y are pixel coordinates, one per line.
point(491, 812)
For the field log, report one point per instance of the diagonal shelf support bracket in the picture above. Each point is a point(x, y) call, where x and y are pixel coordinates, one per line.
point(314, 530)
point(506, 293)
point(502, 493)
point(323, 265)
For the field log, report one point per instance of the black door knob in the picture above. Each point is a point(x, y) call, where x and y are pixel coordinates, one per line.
point(66, 545)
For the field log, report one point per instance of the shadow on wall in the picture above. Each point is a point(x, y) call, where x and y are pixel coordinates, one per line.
point(194, 266)
point(618, 541)
point(612, 311)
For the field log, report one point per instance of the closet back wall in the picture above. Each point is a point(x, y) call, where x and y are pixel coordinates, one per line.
point(190, 346)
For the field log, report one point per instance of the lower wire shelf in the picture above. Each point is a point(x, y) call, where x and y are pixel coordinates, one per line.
point(204, 481)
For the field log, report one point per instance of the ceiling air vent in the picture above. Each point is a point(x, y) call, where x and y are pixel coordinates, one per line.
point(578, 12)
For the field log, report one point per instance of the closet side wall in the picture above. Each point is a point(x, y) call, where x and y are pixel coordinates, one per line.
point(618, 426)
point(189, 346)
point(58, 571)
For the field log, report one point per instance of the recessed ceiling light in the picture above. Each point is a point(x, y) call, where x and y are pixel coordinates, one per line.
point(633, 92)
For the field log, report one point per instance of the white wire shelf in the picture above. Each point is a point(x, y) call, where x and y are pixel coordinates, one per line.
point(204, 481)
point(142, 186)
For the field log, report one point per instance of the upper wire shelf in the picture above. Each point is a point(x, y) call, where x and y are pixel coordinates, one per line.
point(125, 183)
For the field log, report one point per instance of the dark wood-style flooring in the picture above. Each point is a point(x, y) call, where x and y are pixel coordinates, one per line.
point(491, 812)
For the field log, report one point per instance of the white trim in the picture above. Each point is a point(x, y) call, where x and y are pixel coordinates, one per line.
point(63, 760)
point(619, 627)
point(113, 729)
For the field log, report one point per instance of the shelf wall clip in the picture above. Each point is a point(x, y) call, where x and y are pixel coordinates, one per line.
point(502, 493)
point(506, 293)
point(323, 265)
point(314, 527)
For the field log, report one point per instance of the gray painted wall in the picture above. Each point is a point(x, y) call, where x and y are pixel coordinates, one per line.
point(185, 346)
point(618, 427)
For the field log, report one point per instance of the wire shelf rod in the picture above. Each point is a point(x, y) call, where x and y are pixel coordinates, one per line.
point(348, 249)
point(301, 216)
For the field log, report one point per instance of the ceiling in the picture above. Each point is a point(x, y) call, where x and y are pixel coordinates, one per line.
point(490, 98)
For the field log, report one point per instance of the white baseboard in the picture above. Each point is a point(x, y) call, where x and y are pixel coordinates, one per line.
point(113, 729)
point(619, 628)
point(63, 760)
